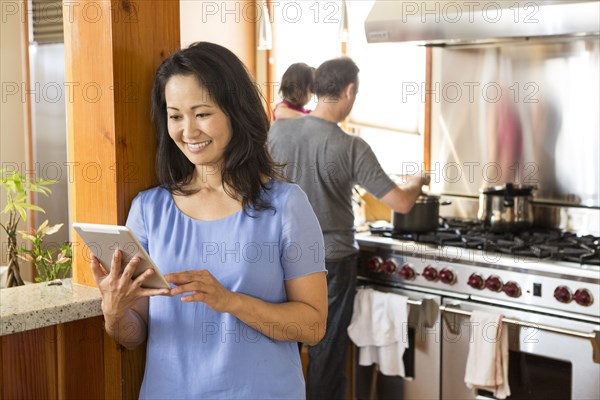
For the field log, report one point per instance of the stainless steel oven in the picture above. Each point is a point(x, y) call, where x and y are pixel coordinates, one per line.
point(421, 359)
point(550, 357)
point(545, 284)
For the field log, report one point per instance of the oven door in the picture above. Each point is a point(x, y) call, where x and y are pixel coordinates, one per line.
point(421, 359)
point(542, 364)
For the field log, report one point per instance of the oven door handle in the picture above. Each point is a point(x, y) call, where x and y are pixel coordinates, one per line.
point(593, 337)
point(410, 301)
point(429, 307)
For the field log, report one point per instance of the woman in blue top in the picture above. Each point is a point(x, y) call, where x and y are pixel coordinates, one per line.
point(241, 247)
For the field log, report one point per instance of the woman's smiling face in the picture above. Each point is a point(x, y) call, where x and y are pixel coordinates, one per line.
point(196, 124)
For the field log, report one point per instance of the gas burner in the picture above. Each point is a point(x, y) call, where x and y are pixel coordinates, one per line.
point(535, 243)
point(400, 235)
point(440, 237)
point(525, 250)
point(582, 255)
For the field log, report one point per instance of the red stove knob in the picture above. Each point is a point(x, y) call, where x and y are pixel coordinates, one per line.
point(563, 294)
point(476, 281)
point(512, 289)
point(447, 276)
point(389, 266)
point(374, 264)
point(493, 283)
point(583, 297)
point(430, 273)
point(407, 272)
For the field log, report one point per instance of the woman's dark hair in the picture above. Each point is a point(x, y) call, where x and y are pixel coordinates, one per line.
point(296, 81)
point(246, 160)
point(333, 76)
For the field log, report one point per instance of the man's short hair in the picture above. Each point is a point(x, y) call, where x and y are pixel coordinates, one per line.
point(333, 76)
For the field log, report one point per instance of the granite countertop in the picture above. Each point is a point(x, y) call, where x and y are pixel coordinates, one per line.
point(39, 305)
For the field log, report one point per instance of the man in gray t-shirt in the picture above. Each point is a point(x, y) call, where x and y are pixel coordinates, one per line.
point(327, 162)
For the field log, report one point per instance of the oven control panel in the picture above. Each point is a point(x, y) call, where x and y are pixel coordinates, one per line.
point(493, 282)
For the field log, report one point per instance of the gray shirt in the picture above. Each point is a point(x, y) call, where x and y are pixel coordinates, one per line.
point(327, 162)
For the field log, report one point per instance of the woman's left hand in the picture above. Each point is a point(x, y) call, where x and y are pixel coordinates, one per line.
point(205, 288)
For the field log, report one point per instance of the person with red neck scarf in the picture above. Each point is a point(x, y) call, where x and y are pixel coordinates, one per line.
point(296, 91)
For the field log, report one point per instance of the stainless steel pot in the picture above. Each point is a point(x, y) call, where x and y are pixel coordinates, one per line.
point(506, 208)
point(423, 217)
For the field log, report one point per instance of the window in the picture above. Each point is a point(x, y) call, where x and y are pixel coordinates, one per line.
point(304, 31)
point(392, 78)
point(389, 109)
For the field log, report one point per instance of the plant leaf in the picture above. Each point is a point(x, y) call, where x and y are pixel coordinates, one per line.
point(33, 207)
point(53, 229)
point(42, 227)
point(20, 197)
point(44, 190)
point(10, 186)
point(26, 257)
point(7, 208)
point(27, 236)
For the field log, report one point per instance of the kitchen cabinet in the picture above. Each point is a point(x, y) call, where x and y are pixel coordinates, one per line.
point(53, 345)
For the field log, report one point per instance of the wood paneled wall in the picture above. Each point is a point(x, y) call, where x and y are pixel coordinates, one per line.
point(28, 362)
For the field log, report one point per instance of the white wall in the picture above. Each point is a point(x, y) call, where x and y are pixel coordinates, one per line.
point(12, 106)
point(228, 23)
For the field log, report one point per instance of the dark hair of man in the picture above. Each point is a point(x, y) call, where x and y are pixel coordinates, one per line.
point(296, 81)
point(246, 160)
point(333, 76)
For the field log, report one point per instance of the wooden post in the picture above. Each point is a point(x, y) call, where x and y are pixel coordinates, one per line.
point(112, 49)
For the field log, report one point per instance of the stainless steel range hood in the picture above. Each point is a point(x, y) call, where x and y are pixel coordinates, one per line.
point(477, 22)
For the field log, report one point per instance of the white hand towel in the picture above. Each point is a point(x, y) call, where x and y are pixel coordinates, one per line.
point(379, 328)
point(487, 362)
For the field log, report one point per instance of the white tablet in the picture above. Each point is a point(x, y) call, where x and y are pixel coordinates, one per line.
point(102, 240)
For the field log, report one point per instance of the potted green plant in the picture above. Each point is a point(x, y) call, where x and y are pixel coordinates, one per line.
point(50, 262)
point(18, 189)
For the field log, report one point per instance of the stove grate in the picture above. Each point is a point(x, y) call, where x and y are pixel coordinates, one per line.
point(536, 243)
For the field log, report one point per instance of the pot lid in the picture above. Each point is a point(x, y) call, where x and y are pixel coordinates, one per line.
point(510, 189)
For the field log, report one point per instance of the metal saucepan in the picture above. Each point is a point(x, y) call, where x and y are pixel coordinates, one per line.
point(506, 208)
point(423, 217)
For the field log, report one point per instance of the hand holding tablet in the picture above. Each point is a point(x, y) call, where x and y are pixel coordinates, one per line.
point(103, 240)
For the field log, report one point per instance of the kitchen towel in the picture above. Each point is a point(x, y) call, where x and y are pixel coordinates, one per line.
point(379, 329)
point(487, 362)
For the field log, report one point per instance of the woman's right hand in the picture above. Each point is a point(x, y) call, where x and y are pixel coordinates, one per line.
point(119, 291)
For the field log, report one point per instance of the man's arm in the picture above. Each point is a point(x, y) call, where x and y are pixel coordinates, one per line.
point(402, 198)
